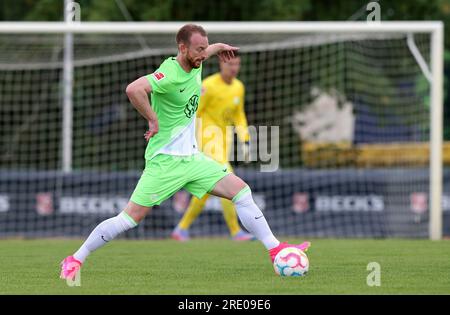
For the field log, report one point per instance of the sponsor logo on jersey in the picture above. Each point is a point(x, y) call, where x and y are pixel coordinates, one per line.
point(158, 76)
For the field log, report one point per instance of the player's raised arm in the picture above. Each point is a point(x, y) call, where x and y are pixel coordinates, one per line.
point(137, 92)
point(223, 51)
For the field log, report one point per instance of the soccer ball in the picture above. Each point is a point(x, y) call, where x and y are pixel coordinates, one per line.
point(291, 262)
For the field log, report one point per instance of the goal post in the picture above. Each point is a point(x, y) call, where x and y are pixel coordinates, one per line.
point(432, 28)
point(436, 175)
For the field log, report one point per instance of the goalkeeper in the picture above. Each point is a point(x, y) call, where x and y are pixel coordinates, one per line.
point(221, 105)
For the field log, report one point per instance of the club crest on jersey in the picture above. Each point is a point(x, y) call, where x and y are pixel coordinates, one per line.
point(191, 106)
point(158, 76)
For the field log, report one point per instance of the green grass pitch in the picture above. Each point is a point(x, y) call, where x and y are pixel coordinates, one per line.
point(220, 266)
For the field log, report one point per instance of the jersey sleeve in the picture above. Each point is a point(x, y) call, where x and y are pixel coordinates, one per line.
point(240, 120)
point(160, 81)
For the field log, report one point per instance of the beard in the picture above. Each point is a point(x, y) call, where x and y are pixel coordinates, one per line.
point(193, 63)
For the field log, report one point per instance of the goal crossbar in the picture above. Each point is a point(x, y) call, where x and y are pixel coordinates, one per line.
point(221, 27)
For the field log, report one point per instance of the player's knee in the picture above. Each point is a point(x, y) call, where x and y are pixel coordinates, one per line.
point(140, 215)
point(243, 191)
point(137, 212)
point(240, 185)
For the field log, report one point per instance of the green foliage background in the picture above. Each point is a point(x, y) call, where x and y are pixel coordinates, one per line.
point(237, 10)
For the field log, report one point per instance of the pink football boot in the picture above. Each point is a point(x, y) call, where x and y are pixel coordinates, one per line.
point(274, 251)
point(69, 268)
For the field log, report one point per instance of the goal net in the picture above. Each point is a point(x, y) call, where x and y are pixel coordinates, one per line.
point(339, 124)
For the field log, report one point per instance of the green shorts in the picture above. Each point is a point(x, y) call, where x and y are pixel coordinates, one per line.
point(164, 175)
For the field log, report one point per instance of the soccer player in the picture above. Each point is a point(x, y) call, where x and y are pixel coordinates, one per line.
point(221, 105)
point(172, 159)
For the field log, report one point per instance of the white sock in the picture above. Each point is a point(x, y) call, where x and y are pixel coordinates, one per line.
point(103, 233)
point(253, 219)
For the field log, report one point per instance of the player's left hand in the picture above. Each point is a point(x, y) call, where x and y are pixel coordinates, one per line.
point(153, 129)
point(226, 52)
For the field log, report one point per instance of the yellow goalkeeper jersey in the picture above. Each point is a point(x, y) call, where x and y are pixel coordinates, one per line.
point(221, 105)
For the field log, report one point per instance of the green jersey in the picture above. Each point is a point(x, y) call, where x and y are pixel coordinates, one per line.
point(174, 98)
